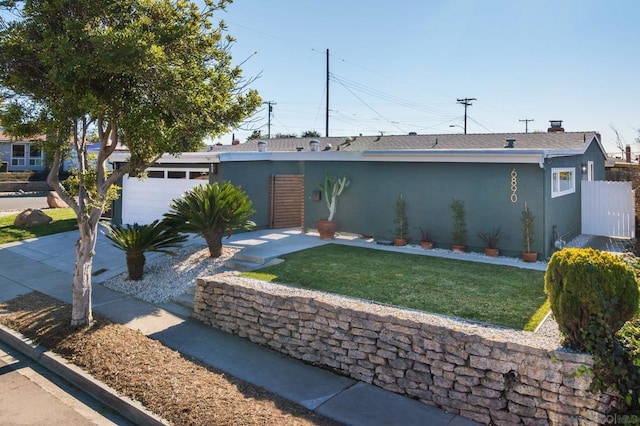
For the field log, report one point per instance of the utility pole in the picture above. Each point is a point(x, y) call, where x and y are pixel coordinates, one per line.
point(270, 106)
point(466, 102)
point(326, 127)
point(526, 124)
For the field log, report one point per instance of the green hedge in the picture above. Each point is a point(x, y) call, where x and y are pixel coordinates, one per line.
point(583, 284)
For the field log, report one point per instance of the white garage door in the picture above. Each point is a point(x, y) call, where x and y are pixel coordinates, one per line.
point(144, 201)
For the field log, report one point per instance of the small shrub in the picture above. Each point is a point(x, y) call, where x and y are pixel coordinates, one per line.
point(211, 210)
point(592, 295)
point(583, 284)
point(137, 239)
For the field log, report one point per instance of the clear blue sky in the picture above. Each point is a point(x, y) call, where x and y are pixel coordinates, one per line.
point(398, 67)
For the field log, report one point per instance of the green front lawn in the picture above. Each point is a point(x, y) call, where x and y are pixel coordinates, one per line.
point(63, 220)
point(500, 295)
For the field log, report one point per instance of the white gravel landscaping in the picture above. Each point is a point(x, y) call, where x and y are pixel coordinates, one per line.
point(166, 277)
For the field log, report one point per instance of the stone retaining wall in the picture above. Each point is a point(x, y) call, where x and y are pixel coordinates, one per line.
point(490, 375)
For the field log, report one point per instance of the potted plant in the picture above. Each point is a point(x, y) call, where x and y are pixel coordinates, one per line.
point(459, 233)
point(401, 222)
point(527, 219)
point(491, 240)
point(332, 188)
point(426, 241)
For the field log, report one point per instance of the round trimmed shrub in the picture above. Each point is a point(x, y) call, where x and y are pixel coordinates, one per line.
point(586, 287)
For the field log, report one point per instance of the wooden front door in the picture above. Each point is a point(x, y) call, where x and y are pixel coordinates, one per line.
point(286, 201)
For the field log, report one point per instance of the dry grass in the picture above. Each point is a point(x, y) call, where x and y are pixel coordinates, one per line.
point(178, 389)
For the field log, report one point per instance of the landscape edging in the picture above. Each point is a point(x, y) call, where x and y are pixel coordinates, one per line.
point(128, 408)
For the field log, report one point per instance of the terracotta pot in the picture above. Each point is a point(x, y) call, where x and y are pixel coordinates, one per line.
point(399, 242)
point(456, 248)
point(529, 257)
point(327, 229)
point(427, 245)
point(491, 252)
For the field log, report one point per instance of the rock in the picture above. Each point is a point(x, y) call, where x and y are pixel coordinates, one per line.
point(54, 201)
point(31, 217)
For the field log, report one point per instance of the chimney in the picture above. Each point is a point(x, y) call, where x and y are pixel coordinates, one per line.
point(627, 153)
point(235, 142)
point(262, 146)
point(510, 143)
point(314, 144)
point(556, 126)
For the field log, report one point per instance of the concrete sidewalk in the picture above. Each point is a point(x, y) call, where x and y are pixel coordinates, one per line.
point(45, 265)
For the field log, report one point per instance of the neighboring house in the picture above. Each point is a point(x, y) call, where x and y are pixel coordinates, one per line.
point(494, 174)
point(20, 155)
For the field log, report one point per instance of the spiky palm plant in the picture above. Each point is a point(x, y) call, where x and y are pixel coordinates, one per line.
point(212, 210)
point(137, 239)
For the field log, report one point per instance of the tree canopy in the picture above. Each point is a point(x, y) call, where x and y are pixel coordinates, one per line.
point(155, 75)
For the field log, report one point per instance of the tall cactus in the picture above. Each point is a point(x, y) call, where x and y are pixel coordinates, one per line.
point(332, 188)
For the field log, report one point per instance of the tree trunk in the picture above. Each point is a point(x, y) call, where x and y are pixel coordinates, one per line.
point(135, 265)
point(81, 313)
point(214, 241)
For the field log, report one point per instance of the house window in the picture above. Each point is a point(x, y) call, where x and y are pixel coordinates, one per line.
point(176, 174)
point(35, 155)
point(590, 171)
point(199, 175)
point(563, 181)
point(17, 155)
point(155, 174)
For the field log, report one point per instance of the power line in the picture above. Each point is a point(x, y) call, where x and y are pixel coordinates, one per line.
point(481, 125)
point(526, 123)
point(466, 102)
point(372, 109)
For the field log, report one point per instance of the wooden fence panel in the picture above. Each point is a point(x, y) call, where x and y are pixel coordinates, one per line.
point(286, 201)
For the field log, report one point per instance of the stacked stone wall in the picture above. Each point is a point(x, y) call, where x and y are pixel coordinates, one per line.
point(491, 375)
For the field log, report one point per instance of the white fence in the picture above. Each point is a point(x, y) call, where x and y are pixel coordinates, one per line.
point(608, 209)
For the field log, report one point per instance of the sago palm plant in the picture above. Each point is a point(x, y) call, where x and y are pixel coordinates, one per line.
point(136, 239)
point(212, 210)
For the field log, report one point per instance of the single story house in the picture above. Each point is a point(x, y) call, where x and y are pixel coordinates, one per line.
point(494, 174)
point(20, 155)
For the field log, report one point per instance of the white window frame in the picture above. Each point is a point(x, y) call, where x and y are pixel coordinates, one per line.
point(18, 161)
point(556, 191)
point(190, 174)
point(36, 160)
point(591, 171)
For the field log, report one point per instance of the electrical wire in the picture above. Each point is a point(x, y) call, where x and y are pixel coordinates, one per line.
point(371, 108)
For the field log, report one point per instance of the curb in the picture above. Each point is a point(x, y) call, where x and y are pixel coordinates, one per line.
point(126, 407)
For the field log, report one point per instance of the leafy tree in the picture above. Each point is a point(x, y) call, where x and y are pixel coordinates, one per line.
point(310, 134)
point(136, 239)
point(211, 210)
point(155, 75)
point(256, 134)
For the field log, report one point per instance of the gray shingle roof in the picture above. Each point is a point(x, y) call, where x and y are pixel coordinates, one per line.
point(482, 141)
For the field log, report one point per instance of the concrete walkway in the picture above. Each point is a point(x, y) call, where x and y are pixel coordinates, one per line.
point(45, 265)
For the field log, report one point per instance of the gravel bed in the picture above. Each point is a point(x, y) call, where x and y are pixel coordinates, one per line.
point(166, 277)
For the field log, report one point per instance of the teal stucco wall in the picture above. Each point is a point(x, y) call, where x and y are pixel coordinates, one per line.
point(563, 214)
point(253, 177)
point(367, 205)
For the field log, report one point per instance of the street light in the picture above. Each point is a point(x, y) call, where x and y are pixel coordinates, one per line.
point(457, 125)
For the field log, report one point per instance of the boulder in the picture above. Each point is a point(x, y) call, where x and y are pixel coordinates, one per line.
point(31, 217)
point(54, 201)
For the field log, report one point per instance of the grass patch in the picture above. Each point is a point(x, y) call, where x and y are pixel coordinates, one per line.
point(63, 220)
point(500, 295)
